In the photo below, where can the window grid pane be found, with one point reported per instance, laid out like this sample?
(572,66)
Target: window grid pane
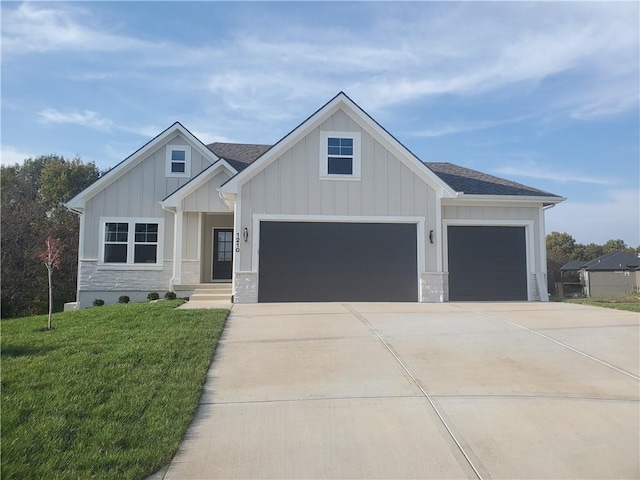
(115,253)
(225,246)
(116,232)
(340,166)
(178,167)
(145,253)
(178,155)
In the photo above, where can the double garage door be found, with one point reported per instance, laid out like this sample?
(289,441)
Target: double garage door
(336,261)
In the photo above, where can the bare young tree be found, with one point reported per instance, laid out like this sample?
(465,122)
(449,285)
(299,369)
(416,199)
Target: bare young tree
(51,258)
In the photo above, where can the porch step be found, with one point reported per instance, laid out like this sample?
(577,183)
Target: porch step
(211,292)
(210,297)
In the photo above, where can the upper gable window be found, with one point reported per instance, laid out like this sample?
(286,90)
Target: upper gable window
(340,155)
(178,161)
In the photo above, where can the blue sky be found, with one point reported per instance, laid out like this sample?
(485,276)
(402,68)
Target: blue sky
(546,94)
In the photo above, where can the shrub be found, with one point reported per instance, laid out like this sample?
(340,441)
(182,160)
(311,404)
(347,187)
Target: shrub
(123,299)
(153,296)
(170,296)
(98,302)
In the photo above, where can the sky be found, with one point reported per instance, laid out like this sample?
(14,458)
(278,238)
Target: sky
(542,93)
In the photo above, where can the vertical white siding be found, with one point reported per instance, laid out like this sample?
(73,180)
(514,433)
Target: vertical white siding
(291,185)
(137,193)
(206,198)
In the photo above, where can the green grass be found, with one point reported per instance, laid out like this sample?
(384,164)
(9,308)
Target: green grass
(630,303)
(108,394)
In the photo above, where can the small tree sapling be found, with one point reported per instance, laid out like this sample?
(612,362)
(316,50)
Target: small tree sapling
(51,259)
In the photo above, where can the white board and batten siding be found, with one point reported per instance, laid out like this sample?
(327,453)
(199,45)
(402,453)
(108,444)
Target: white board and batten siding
(291,185)
(135,194)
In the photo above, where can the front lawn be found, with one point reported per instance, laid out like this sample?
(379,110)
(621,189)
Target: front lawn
(630,302)
(108,394)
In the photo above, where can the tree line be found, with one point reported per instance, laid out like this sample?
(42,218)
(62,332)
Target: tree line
(562,248)
(33,196)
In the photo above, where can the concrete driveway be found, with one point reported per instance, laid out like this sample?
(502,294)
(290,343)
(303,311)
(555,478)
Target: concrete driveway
(455,390)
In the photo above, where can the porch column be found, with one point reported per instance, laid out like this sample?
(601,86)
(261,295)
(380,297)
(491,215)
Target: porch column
(177,247)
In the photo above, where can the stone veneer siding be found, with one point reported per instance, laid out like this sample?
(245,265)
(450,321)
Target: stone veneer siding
(434,287)
(245,288)
(96,282)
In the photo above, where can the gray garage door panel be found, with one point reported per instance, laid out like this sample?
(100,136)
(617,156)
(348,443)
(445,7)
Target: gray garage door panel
(335,261)
(487,263)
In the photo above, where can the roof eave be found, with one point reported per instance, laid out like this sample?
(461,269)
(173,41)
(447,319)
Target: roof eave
(462,197)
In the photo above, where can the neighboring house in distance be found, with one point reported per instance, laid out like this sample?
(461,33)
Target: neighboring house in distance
(337,210)
(614,273)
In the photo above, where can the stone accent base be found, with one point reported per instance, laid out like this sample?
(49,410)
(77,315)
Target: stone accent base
(190,272)
(245,287)
(434,287)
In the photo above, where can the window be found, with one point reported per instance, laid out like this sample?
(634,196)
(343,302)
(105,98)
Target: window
(178,161)
(225,246)
(115,242)
(131,241)
(340,155)
(145,243)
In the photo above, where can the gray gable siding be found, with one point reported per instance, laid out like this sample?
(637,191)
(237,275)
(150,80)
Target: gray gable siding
(291,185)
(137,193)
(206,197)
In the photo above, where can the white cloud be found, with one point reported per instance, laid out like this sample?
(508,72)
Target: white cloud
(87,118)
(464,126)
(617,216)
(35,28)
(11,155)
(547,172)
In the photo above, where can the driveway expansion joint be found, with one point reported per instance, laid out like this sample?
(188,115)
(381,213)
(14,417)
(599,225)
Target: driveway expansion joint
(558,342)
(426,395)
(311,399)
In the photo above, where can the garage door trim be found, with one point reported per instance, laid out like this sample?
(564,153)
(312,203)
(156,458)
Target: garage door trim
(419,221)
(529,239)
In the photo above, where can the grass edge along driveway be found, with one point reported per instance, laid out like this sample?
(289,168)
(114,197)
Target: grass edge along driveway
(108,394)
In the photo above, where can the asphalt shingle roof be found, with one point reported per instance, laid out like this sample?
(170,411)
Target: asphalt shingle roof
(574,265)
(239,155)
(608,261)
(472,182)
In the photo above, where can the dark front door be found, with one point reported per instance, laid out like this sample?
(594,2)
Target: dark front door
(222,253)
(335,262)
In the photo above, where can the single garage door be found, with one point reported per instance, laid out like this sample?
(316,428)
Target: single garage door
(332,262)
(487,263)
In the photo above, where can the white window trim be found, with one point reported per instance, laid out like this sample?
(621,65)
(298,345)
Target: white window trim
(131,243)
(324,156)
(187,158)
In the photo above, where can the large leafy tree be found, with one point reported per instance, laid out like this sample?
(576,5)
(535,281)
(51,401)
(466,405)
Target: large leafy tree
(33,196)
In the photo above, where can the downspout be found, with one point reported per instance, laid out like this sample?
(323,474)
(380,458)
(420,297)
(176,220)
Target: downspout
(80,213)
(174,276)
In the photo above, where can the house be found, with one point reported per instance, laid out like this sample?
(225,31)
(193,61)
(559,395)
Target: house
(614,273)
(337,210)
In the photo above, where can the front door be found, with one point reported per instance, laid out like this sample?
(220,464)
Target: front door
(222,253)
